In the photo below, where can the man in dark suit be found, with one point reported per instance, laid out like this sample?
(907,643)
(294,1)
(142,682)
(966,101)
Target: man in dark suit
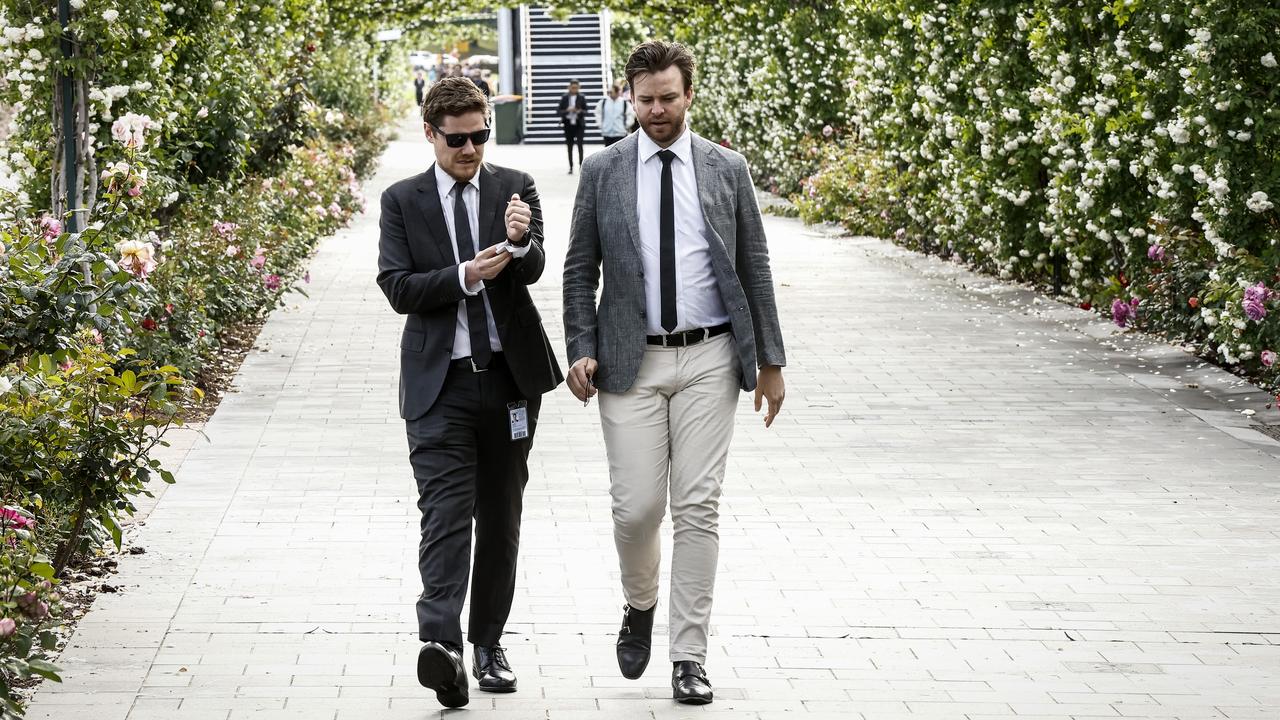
(686,320)
(459,246)
(573,115)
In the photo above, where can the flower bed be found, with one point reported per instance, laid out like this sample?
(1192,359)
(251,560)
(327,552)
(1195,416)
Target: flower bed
(1125,152)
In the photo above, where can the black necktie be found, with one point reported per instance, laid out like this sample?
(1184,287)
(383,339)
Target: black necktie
(667,243)
(477,320)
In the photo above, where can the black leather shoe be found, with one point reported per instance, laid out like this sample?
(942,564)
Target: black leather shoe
(634,641)
(491,670)
(689,684)
(440,668)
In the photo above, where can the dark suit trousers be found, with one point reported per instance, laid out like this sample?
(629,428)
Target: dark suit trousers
(468,468)
(575,134)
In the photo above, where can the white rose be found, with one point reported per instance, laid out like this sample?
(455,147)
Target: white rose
(5,385)
(1269,60)
(1258,202)
(110,15)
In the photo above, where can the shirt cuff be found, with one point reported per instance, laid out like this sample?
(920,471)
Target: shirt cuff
(462,280)
(519,251)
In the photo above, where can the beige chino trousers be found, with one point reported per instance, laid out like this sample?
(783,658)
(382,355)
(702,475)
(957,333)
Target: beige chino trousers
(669,435)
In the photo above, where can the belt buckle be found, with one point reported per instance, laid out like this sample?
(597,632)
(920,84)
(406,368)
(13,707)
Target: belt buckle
(475,369)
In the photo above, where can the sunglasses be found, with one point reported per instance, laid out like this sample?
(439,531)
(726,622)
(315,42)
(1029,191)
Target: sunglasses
(457,140)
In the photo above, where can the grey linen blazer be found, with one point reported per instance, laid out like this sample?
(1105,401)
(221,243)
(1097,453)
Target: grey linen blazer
(606,232)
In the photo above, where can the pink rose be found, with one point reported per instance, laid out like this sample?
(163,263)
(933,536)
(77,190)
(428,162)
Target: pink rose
(16,520)
(7,627)
(33,607)
(51,226)
(1268,357)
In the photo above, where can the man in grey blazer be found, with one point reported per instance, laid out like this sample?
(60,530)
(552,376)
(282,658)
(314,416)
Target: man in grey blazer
(686,317)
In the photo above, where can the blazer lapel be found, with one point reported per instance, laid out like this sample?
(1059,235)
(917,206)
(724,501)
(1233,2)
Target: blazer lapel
(705,165)
(429,205)
(490,200)
(629,152)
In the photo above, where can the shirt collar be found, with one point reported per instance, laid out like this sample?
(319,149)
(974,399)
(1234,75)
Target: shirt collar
(445,182)
(682,147)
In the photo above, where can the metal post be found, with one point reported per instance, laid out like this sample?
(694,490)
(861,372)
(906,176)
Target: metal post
(70,138)
(506,52)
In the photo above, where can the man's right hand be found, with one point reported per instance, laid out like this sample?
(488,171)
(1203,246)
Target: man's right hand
(487,265)
(580,378)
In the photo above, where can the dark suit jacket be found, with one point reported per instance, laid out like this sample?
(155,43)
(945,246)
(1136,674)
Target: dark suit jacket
(417,273)
(563,110)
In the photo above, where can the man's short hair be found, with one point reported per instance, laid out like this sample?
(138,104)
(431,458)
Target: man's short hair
(655,56)
(453,96)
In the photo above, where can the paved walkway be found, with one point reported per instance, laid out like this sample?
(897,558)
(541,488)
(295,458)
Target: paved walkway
(977,504)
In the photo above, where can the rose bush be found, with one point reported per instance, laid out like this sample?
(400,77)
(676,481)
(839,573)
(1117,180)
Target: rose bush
(222,141)
(1120,150)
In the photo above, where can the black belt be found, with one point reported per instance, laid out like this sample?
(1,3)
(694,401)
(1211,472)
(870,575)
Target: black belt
(688,337)
(469,364)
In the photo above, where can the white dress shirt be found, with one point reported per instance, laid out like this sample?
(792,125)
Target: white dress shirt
(471,198)
(572,111)
(698,303)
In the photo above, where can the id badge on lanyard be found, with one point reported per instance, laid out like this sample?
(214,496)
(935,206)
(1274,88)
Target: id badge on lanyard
(518,414)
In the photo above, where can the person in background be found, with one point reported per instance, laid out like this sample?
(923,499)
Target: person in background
(478,79)
(419,87)
(613,116)
(573,115)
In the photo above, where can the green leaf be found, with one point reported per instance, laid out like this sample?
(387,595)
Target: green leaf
(44,669)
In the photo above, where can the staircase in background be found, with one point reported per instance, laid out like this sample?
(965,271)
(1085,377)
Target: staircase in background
(553,53)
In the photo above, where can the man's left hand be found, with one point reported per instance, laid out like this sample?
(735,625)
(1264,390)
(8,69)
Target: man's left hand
(518,218)
(769,386)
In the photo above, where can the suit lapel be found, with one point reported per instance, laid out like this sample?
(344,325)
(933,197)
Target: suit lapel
(705,165)
(629,150)
(490,200)
(429,205)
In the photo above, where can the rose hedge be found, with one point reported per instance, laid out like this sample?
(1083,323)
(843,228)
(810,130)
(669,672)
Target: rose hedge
(1127,151)
(226,140)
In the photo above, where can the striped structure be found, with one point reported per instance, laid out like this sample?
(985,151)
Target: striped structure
(554,52)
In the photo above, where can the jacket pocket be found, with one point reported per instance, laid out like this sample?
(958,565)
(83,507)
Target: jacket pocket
(412,341)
